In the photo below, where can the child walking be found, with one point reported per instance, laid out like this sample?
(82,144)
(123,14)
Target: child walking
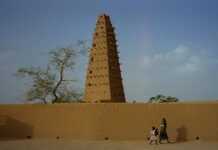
(153,135)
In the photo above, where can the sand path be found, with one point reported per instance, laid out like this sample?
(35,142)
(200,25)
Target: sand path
(45,144)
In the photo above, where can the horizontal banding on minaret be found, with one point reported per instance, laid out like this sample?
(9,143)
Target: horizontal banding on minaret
(103,79)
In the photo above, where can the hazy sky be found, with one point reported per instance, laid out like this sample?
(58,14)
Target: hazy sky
(166,46)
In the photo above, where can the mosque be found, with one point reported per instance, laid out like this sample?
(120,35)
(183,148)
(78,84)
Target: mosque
(106,114)
(103,79)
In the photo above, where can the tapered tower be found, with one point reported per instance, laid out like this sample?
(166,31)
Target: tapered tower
(103,78)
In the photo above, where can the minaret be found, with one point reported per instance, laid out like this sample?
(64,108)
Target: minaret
(103,79)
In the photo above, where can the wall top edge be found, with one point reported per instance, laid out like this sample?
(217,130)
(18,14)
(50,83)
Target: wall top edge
(116,103)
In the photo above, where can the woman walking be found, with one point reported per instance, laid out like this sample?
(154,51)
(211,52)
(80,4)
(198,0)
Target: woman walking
(163,131)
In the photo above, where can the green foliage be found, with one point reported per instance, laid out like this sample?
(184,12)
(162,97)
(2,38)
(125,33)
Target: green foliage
(63,58)
(43,83)
(50,84)
(163,99)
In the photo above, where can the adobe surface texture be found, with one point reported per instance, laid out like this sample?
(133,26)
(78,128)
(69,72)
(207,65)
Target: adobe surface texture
(103,79)
(112,121)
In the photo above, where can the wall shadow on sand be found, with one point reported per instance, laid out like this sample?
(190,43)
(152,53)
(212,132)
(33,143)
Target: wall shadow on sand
(13,129)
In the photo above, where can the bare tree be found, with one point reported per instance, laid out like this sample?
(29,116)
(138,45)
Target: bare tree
(50,84)
(62,59)
(43,83)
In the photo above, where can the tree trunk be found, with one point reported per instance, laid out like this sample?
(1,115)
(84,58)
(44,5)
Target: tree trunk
(58,84)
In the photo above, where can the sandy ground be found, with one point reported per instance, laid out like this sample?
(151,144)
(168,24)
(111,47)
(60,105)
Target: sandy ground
(48,144)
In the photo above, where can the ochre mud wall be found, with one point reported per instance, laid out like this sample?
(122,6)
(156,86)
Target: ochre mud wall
(114,121)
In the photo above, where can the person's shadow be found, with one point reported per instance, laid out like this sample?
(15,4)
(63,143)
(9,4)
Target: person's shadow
(181,134)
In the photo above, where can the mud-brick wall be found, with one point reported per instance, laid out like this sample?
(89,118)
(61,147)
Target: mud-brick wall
(114,121)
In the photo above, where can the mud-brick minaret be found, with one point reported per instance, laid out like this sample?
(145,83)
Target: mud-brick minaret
(103,79)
